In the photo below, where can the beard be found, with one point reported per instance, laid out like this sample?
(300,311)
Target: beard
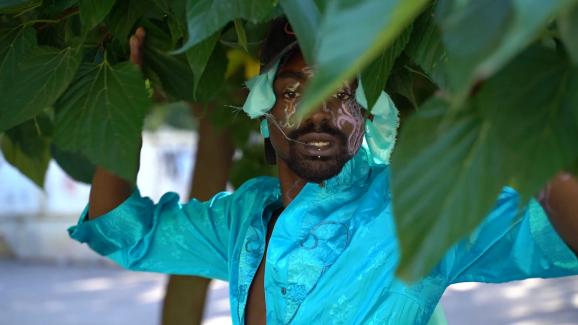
(317,169)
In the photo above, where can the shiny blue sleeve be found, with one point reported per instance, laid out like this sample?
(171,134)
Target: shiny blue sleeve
(510,245)
(166,237)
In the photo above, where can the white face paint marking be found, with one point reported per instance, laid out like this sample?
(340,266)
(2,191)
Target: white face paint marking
(308,71)
(290,105)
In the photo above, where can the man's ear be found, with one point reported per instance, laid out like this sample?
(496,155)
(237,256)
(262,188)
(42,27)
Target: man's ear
(270,156)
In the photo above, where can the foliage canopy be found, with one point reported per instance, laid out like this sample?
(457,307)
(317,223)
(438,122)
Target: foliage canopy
(493,83)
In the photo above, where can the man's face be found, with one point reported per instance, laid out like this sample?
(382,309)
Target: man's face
(316,148)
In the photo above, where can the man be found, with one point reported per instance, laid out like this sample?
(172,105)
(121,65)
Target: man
(319,243)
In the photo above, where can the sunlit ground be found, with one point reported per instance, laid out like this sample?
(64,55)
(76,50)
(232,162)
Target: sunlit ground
(97,294)
(527,302)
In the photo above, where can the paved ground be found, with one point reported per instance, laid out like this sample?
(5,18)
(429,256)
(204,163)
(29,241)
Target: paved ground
(47,294)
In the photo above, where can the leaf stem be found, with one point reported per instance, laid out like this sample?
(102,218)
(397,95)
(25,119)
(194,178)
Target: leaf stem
(43,23)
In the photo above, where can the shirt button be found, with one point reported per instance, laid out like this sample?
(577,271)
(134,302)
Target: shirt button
(283,290)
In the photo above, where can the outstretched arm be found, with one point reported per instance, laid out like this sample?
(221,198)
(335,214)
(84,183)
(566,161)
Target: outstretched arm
(560,200)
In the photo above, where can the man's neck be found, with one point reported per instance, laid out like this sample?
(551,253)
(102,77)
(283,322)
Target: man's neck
(291,183)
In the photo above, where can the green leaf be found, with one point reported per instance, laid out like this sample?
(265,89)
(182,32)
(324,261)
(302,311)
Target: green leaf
(211,81)
(27,147)
(375,75)
(198,57)
(241,35)
(101,116)
(206,17)
(92,12)
(74,164)
(426,48)
(538,122)
(18,6)
(568,24)
(12,3)
(173,71)
(508,27)
(448,168)
(33,76)
(573,168)
(124,15)
(304,17)
(345,45)
(438,189)
(402,82)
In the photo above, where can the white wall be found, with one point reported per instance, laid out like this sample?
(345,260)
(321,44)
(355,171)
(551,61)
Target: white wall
(33,222)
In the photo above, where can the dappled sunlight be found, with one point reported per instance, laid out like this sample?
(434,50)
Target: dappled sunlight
(532,301)
(154,295)
(94,284)
(218,306)
(466,286)
(221,320)
(70,294)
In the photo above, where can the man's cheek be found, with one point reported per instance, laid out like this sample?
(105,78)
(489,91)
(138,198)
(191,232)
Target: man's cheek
(289,119)
(352,115)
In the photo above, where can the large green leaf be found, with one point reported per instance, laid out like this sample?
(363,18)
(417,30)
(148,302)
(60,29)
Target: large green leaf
(445,177)
(92,12)
(482,36)
(537,123)
(568,23)
(12,3)
(27,147)
(426,48)
(74,164)
(101,116)
(449,168)
(17,6)
(241,34)
(34,77)
(345,46)
(172,70)
(573,168)
(198,57)
(212,80)
(206,17)
(124,15)
(375,75)
(304,17)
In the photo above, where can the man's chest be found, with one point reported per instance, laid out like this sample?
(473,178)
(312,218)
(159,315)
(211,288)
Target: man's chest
(335,266)
(255,312)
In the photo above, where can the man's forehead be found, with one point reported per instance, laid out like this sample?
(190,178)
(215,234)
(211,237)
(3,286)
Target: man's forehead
(295,67)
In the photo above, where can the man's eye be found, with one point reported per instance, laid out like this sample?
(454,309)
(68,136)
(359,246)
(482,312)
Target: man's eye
(343,95)
(290,94)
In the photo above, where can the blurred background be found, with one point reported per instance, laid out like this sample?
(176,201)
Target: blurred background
(47,278)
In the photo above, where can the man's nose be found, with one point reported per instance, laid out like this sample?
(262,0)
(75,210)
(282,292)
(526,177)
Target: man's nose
(322,114)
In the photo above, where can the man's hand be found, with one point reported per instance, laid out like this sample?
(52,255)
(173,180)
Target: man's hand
(560,200)
(136,43)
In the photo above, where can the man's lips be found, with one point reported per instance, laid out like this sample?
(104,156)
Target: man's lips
(318,144)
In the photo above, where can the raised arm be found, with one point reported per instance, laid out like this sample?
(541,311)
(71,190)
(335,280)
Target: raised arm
(560,201)
(107,192)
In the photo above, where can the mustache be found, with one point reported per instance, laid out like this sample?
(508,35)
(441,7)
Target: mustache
(318,128)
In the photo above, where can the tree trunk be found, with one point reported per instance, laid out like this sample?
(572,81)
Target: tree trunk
(185,296)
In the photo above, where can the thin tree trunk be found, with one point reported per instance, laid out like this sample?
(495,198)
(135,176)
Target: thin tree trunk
(185,296)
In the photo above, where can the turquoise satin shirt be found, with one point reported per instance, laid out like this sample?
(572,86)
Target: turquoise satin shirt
(333,252)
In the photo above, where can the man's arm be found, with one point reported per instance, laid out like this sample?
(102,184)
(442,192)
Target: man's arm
(560,201)
(107,192)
